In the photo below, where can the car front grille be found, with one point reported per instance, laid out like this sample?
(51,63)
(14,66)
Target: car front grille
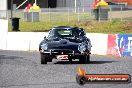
(65,47)
(62,51)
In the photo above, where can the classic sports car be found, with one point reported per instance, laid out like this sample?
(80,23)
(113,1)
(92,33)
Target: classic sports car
(65,43)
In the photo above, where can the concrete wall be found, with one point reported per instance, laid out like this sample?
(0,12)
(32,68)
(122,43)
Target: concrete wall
(31,40)
(3,33)
(24,40)
(102,44)
(99,43)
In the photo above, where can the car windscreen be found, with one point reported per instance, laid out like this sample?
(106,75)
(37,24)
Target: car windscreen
(65,33)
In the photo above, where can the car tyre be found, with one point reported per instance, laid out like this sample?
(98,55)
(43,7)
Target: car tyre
(84,59)
(88,58)
(70,60)
(43,59)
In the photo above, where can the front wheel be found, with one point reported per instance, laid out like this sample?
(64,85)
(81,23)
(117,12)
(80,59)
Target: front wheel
(88,58)
(84,59)
(43,59)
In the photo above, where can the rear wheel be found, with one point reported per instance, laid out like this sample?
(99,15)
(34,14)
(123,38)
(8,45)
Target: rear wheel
(43,59)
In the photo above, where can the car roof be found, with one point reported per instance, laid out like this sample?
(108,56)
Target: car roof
(63,27)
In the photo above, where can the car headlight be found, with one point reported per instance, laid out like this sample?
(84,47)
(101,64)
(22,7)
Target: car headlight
(82,47)
(44,46)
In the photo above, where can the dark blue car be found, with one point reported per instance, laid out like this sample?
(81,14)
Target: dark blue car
(65,43)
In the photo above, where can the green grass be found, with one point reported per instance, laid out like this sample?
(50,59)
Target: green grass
(111,27)
(83,19)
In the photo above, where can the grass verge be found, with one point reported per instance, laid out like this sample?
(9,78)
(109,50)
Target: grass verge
(111,27)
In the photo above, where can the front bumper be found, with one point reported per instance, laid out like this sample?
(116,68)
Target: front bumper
(55,52)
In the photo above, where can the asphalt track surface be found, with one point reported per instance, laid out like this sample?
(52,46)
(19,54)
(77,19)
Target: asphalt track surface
(20,69)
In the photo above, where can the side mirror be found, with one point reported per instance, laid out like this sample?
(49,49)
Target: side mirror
(81,29)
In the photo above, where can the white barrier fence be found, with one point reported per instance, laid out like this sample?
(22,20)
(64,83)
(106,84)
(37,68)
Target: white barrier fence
(3,33)
(24,40)
(99,43)
(29,41)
